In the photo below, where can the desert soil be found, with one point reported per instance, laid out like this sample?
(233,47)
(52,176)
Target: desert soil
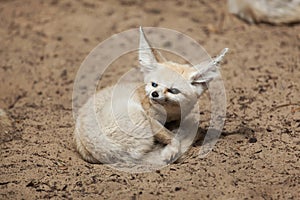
(43,43)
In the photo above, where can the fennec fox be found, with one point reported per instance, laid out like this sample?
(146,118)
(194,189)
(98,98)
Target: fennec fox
(130,128)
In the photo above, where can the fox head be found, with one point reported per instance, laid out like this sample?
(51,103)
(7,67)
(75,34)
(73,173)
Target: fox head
(169,83)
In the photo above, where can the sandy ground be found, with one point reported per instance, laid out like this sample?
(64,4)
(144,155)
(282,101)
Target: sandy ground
(42,44)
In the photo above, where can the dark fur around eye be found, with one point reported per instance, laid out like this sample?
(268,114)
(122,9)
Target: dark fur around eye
(174,90)
(154,84)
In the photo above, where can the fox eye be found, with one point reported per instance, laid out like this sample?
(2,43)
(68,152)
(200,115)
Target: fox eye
(154,84)
(174,90)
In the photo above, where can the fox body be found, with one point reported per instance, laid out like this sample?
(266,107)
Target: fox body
(125,123)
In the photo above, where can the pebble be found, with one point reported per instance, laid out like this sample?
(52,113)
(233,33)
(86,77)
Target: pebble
(252,140)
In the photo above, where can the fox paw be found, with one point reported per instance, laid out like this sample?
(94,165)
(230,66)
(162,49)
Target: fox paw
(171,152)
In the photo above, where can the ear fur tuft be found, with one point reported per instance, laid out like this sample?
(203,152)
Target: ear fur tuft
(147,59)
(207,71)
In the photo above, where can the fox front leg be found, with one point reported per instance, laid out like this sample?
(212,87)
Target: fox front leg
(161,134)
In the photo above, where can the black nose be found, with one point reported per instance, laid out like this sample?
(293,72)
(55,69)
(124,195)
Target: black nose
(154,94)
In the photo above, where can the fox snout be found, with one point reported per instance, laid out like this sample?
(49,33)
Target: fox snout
(157,95)
(154,94)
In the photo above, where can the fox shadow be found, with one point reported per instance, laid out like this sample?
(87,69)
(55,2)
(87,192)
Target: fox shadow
(213,134)
(245,131)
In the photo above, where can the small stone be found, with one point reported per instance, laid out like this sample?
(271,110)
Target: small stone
(64,73)
(252,140)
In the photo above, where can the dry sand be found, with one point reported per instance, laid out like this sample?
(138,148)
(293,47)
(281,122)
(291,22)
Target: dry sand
(42,44)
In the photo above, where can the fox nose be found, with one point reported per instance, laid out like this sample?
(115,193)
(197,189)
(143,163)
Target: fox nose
(154,94)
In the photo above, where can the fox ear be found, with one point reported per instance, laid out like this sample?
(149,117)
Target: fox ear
(147,59)
(207,71)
